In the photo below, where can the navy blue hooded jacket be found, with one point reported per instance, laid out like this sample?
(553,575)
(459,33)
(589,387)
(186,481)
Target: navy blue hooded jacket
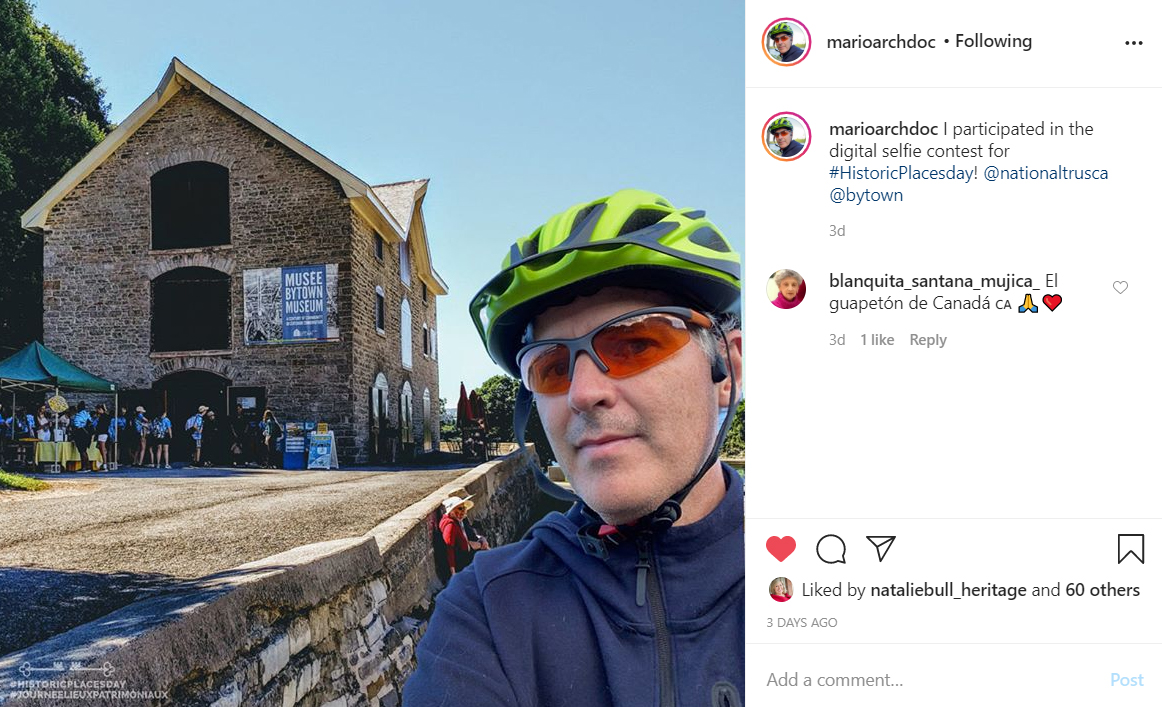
(540,623)
(793,149)
(792,54)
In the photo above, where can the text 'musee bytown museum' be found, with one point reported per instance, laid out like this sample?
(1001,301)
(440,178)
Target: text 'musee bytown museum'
(200,255)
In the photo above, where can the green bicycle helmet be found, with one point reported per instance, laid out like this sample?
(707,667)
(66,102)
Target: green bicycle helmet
(781,28)
(780,124)
(631,238)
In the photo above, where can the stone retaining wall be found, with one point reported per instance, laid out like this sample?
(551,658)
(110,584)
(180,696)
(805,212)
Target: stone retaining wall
(333,624)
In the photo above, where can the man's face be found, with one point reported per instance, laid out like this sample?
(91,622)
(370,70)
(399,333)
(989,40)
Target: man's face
(782,137)
(628,444)
(790,288)
(782,43)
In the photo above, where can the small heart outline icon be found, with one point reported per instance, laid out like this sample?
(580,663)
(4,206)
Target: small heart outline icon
(1121,286)
(1051,301)
(781,548)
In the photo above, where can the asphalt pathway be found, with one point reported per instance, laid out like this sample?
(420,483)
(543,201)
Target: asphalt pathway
(95,542)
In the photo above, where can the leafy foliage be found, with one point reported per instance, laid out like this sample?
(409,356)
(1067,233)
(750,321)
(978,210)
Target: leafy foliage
(53,113)
(449,432)
(499,394)
(20,482)
(735,443)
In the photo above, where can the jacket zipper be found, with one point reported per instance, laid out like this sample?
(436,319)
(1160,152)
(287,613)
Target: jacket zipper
(648,584)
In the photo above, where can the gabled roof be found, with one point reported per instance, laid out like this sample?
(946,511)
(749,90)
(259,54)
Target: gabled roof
(400,199)
(405,201)
(363,199)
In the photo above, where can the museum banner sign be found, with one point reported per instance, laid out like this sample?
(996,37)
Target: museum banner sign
(291,305)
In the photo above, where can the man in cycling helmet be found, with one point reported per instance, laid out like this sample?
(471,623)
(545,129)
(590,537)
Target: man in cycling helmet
(783,133)
(783,35)
(619,316)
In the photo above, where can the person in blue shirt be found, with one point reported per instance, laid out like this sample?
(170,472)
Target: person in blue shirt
(783,35)
(141,427)
(196,432)
(163,431)
(101,428)
(82,435)
(126,435)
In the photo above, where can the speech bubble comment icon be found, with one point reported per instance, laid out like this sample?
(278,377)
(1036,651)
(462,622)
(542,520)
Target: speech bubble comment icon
(831,549)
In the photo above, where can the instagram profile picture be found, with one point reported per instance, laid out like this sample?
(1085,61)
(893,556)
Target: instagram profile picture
(786,289)
(781,589)
(786,41)
(786,136)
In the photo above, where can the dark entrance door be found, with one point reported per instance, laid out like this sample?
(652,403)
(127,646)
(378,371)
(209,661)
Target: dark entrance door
(183,392)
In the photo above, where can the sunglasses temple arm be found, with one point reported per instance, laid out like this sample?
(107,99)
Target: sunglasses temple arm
(520,422)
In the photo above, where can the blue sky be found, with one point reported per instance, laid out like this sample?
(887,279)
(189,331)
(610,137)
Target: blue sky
(514,110)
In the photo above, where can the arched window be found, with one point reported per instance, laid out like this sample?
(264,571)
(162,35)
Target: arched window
(190,206)
(377,419)
(405,263)
(427,419)
(427,342)
(405,333)
(405,413)
(190,310)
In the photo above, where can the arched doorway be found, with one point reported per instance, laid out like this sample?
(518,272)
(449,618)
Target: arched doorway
(406,435)
(182,393)
(380,441)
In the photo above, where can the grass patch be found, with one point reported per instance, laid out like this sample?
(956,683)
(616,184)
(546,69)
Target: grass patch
(21,483)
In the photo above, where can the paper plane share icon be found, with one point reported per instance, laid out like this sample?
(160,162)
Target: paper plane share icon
(882,544)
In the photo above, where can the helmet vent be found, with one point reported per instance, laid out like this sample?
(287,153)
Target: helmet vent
(579,220)
(640,219)
(532,246)
(709,238)
(697,214)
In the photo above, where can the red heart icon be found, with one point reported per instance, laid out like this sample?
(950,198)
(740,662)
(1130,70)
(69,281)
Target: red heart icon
(781,548)
(1051,301)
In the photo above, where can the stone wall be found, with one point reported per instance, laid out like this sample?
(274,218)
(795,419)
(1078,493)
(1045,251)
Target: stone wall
(98,266)
(335,623)
(376,352)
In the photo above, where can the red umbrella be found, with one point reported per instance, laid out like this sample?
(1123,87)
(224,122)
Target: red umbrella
(463,408)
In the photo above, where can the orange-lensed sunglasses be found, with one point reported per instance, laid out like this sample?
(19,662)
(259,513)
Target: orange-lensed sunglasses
(621,347)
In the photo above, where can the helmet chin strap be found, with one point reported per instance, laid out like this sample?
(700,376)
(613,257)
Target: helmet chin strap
(665,515)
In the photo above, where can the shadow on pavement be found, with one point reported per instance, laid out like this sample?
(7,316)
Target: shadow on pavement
(40,603)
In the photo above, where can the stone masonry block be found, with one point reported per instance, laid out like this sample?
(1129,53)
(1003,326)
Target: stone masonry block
(275,657)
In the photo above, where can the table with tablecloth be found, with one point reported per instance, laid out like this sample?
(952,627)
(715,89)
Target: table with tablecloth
(63,453)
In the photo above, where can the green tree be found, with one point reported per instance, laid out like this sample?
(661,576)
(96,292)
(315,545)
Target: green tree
(53,112)
(499,395)
(448,430)
(735,443)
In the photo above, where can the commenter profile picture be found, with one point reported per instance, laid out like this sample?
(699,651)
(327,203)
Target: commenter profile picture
(786,136)
(786,289)
(786,41)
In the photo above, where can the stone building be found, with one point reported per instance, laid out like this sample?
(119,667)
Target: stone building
(202,255)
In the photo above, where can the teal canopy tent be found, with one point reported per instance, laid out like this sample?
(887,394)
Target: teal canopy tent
(35,368)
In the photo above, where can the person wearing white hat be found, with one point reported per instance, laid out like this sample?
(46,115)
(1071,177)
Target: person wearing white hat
(460,538)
